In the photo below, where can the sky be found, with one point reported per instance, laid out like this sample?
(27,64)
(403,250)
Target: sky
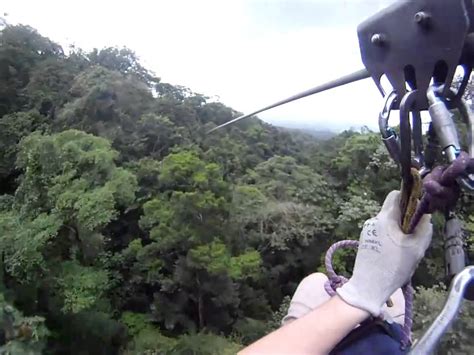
(244,53)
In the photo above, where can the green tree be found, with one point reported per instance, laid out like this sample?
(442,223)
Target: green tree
(428,304)
(355,155)
(21,49)
(124,61)
(21,334)
(197,269)
(51,230)
(13,127)
(108,104)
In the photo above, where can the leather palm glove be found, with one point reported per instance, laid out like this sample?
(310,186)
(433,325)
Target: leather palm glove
(386,258)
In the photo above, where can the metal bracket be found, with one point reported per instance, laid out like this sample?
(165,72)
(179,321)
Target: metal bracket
(392,40)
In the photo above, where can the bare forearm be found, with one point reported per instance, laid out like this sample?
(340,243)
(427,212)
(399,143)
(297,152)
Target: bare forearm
(316,333)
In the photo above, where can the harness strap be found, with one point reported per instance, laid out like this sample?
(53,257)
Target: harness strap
(371,329)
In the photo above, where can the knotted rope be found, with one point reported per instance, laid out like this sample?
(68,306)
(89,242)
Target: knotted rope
(441,189)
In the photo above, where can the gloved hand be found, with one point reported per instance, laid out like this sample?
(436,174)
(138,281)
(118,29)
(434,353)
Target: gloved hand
(386,258)
(311,293)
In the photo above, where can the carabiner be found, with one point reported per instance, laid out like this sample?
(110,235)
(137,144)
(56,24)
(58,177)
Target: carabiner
(454,254)
(411,180)
(443,125)
(406,106)
(389,136)
(419,159)
(446,129)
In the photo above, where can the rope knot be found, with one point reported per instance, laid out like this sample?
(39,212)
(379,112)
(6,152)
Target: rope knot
(337,282)
(441,189)
(334,283)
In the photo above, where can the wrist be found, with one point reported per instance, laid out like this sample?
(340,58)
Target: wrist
(356,313)
(363,298)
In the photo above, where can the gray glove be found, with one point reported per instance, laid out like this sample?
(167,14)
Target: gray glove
(386,259)
(311,293)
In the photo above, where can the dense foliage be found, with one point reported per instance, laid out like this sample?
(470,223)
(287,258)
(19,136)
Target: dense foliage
(125,227)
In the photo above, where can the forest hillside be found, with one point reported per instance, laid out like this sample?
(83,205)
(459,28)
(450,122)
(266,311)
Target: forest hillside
(126,228)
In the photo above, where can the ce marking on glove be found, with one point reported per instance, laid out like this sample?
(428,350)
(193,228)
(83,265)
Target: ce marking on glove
(370,227)
(372,232)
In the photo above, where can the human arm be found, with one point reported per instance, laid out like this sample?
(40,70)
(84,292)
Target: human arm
(311,293)
(316,333)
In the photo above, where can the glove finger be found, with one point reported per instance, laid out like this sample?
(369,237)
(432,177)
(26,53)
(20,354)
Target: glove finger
(311,291)
(424,233)
(420,239)
(391,199)
(391,205)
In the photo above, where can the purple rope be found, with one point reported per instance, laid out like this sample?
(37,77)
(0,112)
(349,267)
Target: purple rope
(408,320)
(440,188)
(335,281)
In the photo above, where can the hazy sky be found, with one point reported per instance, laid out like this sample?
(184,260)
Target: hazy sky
(249,53)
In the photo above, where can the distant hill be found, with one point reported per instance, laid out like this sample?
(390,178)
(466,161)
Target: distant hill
(320,134)
(331,127)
